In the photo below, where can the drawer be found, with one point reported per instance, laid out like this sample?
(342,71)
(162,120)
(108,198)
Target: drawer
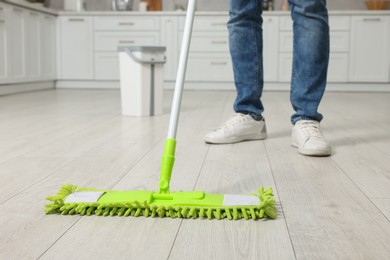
(338,67)
(339,23)
(216,67)
(106,66)
(336,23)
(286,42)
(110,41)
(127,23)
(339,41)
(337,70)
(285,67)
(285,23)
(208,24)
(209,42)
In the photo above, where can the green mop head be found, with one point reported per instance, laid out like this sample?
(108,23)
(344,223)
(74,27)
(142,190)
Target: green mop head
(193,204)
(77,200)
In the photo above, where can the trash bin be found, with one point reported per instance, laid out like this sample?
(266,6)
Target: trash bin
(141,79)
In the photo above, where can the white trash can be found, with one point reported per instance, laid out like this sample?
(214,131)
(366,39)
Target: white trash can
(141,79)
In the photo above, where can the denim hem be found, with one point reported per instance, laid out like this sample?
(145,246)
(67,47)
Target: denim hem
(304,118)
(254,116)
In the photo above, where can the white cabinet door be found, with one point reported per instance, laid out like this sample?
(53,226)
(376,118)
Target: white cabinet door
(3,47)
(76,48)
(209,59)
(209,67)
(17,45)
(48,50)
(270,48)
(370,41)
(106,66)
(169,29)
(32,45)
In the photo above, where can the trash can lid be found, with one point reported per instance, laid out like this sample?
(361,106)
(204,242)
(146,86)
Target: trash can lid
(142,48)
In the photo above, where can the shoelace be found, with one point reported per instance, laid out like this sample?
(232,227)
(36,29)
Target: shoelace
(233,121)
(310,129)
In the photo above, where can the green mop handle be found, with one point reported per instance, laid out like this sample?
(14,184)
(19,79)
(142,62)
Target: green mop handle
(168,158)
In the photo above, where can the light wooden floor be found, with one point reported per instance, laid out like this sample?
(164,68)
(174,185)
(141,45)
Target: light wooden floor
(330,208)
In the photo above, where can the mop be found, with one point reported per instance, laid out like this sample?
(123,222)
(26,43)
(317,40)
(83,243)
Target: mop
(72,199)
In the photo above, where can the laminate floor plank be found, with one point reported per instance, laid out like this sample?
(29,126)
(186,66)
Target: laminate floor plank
(328,216)
(102,167)
(37,129)
(366,115)
(329,208)
(21,172)
(361,142)
(364,146)
(149,238)
(234,169)
(49,107)
(383,205)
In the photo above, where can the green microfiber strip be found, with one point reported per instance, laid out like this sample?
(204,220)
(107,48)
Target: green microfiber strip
(149,204)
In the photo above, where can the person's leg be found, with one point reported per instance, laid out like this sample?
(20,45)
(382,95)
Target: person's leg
(246,50)
(309,74)
(310,57)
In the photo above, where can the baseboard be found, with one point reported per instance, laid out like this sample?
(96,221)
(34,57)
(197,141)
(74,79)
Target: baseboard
(351,87)
(268,86)
(87,84)
(8,89)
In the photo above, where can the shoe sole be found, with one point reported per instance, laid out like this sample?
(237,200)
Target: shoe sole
(237,139)
(312,152)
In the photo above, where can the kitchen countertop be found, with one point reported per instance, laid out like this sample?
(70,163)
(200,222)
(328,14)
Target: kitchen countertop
(41,8)
(214,13)
(36,6)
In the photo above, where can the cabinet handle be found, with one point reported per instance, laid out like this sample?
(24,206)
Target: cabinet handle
(218,42)
(76,20)
(126,24)
(372,19)
(218,63)
(126,42)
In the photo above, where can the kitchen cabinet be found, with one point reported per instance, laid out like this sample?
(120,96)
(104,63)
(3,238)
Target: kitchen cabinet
(339,49)
(270,47)
(3,45)
(169,38)
(17,45)
(48,47)
(370,52)
(27,47)
(76,48)
(209,58)
(32,46)
(88,48)
(112,32)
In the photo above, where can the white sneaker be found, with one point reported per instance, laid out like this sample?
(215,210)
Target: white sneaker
(238,128)
(307,137)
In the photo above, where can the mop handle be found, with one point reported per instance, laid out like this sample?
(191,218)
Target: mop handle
(181,71)
(168,157)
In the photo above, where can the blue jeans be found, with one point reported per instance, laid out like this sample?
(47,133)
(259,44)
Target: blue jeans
(310,56)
